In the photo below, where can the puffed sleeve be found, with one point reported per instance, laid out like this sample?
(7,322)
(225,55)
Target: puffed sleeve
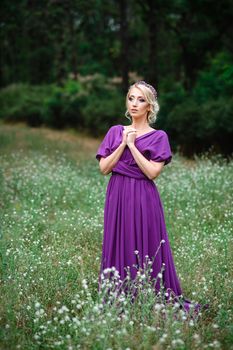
(160,149)
(105,148)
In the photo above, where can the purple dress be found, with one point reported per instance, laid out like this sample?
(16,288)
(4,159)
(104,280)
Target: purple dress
(133,213)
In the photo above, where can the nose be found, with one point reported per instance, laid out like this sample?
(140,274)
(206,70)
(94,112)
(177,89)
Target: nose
(135,102)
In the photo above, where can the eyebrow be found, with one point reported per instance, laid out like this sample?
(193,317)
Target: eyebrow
(134,96)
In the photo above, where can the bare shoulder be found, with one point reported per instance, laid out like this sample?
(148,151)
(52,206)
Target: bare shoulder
(130,126)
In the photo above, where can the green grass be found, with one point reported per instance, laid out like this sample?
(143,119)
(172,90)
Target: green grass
(52,202)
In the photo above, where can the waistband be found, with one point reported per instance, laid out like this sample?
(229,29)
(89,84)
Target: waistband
(129,170)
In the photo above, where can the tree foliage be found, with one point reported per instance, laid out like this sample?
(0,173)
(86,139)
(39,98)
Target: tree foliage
(182,47)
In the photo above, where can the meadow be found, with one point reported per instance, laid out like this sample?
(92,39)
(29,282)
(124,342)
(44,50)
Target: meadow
(52,206)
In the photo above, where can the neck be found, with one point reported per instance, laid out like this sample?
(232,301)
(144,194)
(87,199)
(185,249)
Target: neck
(140,125)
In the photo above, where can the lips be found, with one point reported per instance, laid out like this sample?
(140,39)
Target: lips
(134,110)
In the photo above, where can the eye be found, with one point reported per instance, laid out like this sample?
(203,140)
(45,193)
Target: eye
(140,99)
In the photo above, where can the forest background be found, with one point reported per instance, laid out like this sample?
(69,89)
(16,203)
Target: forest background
(70,63)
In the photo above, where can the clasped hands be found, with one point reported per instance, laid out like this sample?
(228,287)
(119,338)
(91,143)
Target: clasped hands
(129,136)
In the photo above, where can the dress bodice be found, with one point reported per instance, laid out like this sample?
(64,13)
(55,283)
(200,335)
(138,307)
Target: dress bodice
(153,145)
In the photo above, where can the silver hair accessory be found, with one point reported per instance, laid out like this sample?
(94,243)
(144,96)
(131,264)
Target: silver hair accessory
(152,89)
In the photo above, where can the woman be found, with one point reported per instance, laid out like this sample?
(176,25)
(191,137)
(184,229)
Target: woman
(134,224)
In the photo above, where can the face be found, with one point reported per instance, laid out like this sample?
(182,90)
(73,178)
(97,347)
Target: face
(137,105)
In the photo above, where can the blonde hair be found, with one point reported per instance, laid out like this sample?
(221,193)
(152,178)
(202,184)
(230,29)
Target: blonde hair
(150,98)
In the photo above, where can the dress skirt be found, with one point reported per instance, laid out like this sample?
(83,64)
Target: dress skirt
(134,221)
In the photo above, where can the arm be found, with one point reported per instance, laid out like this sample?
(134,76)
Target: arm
(106,164)
(150,168)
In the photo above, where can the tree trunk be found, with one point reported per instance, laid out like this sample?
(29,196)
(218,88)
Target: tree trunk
(72,41)
(152,76)
(150,17)
(124,45)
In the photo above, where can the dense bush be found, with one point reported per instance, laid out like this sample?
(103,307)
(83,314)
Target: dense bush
(201,119)
(194,121)
(22,102)
(103,110)
(92,104)
(216,80)
(196,127)
(63,106)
